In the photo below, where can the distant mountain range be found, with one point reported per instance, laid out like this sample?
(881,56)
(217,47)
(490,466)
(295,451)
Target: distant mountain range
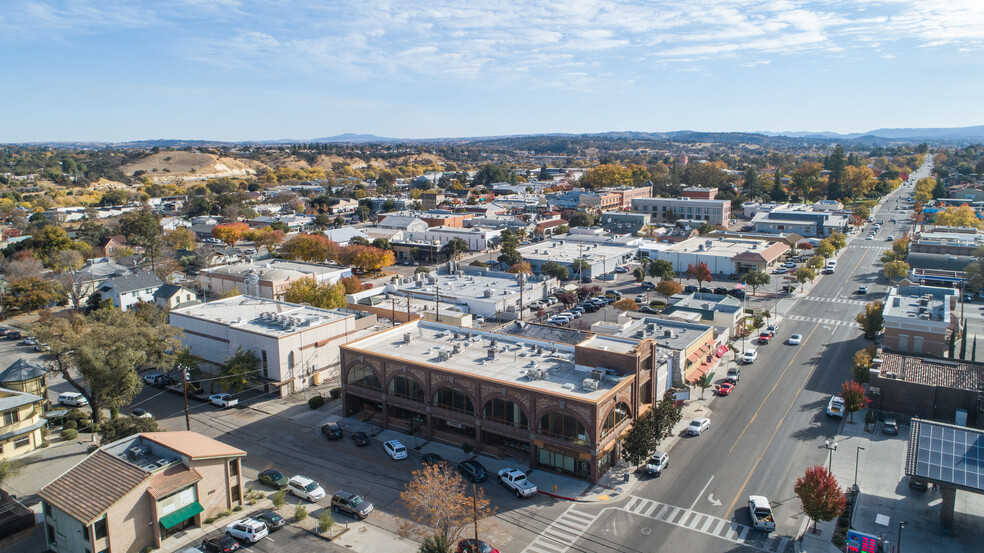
(952,135)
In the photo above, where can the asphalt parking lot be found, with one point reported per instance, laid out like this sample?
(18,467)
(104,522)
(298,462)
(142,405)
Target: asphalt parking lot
(288,539)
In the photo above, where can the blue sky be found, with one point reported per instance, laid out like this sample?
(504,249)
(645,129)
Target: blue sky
(111,70)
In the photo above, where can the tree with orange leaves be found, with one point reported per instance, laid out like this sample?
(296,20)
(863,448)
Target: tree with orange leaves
(230,233)
(437,497)
(820,495)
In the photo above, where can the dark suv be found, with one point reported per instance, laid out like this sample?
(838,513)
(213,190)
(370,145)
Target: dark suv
(220,544)
(473,470)
(332,431)
(348,502)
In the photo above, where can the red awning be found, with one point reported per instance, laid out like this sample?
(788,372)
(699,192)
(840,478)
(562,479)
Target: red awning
(722,349)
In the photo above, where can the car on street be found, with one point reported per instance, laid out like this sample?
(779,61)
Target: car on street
(331,430)
(473,470)
(621,270)
(247,530)
(725,389)
(794,339)
(471,546)
(690,289)
(305,488)
(272,520)
(647,285)
(764,338)
(395,449)
(835,407)
(640,299)
(479,319)
(870,237)
(772,329)
(72,399)
(861,290)
(789,265)
(749,356)
(351,504)
(698,426)
(141,413)
(780,271)
(517,481)
(432,459)
(891,238)
(734,375)
(224,401)
(360,438)
(657,462)
(891,427)
(273,478)
(220,544)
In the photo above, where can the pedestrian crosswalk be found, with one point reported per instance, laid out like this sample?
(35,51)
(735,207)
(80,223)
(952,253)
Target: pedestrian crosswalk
(562,533)
(834,300)
(706,524)
(818,320)
(881,248)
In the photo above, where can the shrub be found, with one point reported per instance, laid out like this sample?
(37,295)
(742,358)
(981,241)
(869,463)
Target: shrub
(237,508)
(226,513)
(69,434)
(316,402)
(209,520)
(467,448)
(147,549)
(86,425)
(75,414)
(300,513)
(279,498)
(335,392)
(325,522)
(71,425)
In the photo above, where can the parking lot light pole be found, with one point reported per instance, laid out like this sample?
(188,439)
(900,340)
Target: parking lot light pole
(857,456)
(831,448)
(902,524)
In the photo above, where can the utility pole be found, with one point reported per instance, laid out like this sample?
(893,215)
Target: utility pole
(475,514)
(393,310)
(184,388)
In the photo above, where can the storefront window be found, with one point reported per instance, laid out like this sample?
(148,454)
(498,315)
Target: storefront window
(615,417)
(505,412)
(565,427)
(406,387)
(453,399)
(563,463)
(361,375)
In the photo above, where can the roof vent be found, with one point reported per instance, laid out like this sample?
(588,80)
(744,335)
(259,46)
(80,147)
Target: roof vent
(590,384)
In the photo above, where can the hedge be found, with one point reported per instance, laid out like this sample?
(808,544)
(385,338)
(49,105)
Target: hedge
(316,402)
(335,393)
(69,434)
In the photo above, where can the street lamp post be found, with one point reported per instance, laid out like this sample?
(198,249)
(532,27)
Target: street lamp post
(902,524)
(831,448)
(857,457)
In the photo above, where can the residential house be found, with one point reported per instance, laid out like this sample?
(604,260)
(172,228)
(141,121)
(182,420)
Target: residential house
(110,246)
(406,223)
(273,276)
(173,296)
(20,422)
(135,493)
(26,376)
(127,290)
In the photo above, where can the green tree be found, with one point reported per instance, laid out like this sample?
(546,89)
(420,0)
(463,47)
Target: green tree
(454,249)
(825,249)
(640,440)
(580,266)
(895,269)
(705,228)
(872,319)
(639,274)
(121,427)
(661,268)
(863,363)
(752,186)
(804,275)
(703,382)
(239,371)
(508,254)
(48,241)
(836,164)
(838,241)
(581,219)
(554,269)
(665,414)
(756,278)
(815,262)
(820,495)
(142,228)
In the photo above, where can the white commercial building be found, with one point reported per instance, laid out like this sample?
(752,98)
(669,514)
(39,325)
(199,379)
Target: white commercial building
(601,255)
(722,255)
(476,238)
(273,276)
(296,345)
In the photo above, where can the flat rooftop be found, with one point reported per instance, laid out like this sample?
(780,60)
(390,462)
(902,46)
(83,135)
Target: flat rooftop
(262,316)
(491,286)
(723,247)
(914,302)
(570,250)
(466,351)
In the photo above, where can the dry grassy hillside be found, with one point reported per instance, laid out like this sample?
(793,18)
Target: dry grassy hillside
(328,162)
(188,166)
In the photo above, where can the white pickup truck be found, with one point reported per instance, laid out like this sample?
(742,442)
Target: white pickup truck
(517,481)
(761,511)
(836,407)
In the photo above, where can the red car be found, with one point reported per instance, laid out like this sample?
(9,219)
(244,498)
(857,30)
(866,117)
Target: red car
(725,389)
(765,338)
(468,546)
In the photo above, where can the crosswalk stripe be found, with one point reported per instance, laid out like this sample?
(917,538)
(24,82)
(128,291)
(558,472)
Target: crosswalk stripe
(562,532)
(707,523)
(782,544)
(818,320)
(650,510)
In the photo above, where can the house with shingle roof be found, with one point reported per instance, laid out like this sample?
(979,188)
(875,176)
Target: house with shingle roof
(20,422)
(126,290)
(137,492)
(25,375)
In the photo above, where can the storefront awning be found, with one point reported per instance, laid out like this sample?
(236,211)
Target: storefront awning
(181,515)
(721,351)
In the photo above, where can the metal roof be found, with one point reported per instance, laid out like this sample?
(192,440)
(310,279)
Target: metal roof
(946,454)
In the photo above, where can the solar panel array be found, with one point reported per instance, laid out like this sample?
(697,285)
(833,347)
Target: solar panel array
(950,454)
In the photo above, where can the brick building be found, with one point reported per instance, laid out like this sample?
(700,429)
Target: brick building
(928,387)
(559,398)
(920,319)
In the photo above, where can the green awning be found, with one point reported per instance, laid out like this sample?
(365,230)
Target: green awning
(181,515)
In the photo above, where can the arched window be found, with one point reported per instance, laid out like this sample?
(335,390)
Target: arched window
(453,399)
(505,412)
(564,426)
(404,386)
(615,417)
(362,375)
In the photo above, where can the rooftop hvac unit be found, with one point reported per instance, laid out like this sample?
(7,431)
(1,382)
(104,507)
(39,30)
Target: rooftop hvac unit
(590,384)
(534,374)
(137,452)
(489,292)
(444,355)
(408,337)
(456,349)
(162,462)
(597,374)
(493,354)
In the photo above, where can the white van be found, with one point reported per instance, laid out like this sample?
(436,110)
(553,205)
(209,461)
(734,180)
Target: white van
(72,399)
(305,488)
